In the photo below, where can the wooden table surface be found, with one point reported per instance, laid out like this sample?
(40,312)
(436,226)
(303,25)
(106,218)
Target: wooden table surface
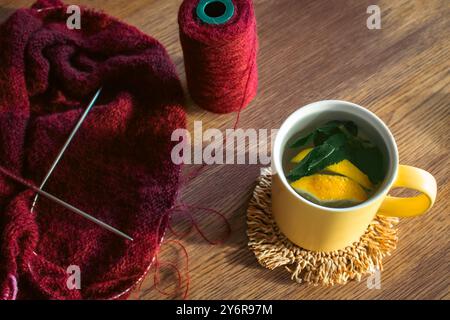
(309,51)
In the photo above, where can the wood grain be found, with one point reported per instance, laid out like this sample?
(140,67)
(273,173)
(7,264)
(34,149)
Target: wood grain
(314,50)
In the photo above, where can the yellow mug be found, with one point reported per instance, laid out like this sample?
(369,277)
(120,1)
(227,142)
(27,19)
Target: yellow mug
(320,228)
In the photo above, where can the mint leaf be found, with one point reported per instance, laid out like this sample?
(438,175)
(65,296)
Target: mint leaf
(330,152)
(338,140)
(369,160)
(344,126)
(304,141)
(351,127)
(334,142)
(321,134)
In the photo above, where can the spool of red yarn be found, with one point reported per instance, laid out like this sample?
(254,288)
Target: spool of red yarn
(220,46)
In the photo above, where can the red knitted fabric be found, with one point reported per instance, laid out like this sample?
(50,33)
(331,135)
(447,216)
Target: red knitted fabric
(117,168)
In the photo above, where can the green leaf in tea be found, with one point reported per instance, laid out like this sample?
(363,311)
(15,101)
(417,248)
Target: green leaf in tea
(335,141)
(330,152)
(345,126)
(369,160)
(338,140)
(350,127)
(321,134)
(304,141)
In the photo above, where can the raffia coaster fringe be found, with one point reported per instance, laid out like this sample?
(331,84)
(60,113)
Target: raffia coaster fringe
(272,249)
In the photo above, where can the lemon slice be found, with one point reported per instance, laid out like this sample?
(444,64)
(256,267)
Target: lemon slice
(344,168)
(301,155)
(330,190)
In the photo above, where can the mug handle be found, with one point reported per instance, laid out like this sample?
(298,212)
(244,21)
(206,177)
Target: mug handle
(416,179)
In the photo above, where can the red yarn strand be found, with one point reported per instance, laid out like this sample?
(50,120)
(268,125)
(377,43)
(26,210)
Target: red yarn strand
(188,209)
(156,277)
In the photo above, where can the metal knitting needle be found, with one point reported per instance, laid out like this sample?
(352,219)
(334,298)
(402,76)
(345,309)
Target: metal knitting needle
(39,190)
(64,204)
(82,213)
(63,149)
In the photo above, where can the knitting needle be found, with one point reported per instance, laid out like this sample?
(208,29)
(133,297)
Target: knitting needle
(63,149)
(65,204)
(55,163)
(82,213)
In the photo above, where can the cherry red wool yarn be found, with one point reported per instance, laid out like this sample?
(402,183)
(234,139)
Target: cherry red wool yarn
(220,60)
(118,167)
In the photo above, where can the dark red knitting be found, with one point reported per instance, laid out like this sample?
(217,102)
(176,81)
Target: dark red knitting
(118,167)
(220,60)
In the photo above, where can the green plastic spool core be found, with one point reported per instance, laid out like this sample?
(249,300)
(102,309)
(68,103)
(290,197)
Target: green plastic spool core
(215,11)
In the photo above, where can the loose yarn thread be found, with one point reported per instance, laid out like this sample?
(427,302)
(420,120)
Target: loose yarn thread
(220,60)
(157,263)
(187,210)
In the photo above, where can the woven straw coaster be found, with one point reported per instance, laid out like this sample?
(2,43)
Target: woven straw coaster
(272,249)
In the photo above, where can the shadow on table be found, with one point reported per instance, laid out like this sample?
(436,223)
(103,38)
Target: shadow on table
(229,190)
(217,198)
